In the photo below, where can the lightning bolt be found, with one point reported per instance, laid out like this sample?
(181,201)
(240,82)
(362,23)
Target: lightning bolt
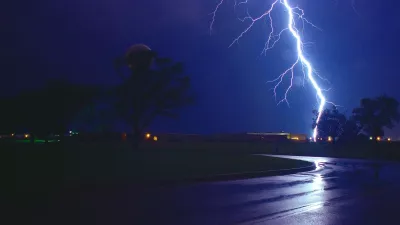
(293,13)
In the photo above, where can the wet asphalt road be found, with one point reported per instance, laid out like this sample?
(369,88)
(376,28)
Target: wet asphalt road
(340,191)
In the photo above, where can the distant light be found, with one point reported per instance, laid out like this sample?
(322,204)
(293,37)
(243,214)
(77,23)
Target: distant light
(155,138)
(70,132)
(295,138)
(378,138)
(389,139)
(370,138)
(12,135)
(26,135)
(148,135)
(329,138)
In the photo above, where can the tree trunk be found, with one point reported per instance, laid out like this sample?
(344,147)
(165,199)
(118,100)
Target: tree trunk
(136,139)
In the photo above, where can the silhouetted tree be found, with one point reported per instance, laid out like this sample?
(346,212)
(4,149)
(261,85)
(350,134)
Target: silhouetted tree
(98,116)
(351,130)
(50,109)
(150,91)
(8,106)
(331,123)
(375,114)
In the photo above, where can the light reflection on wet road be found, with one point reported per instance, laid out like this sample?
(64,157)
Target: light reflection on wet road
(339,191)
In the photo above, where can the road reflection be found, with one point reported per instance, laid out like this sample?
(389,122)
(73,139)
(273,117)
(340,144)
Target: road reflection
(318,182)
(319,164)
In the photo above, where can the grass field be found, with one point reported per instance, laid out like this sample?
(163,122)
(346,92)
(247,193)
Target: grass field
(368,150)
(41,167)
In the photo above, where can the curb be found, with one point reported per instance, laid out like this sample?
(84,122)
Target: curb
(235,176)
(270,172)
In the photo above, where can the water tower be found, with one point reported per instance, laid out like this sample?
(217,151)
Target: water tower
(139,57)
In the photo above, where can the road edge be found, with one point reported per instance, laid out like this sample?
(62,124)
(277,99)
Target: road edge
(254,174)
(240,176)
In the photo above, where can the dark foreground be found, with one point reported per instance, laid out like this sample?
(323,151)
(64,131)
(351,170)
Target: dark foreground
(54,181)
(346,193)
(100,163)
(95,187)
